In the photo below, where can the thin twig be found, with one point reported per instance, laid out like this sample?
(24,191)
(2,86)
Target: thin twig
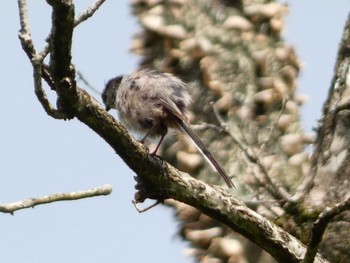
(81,77)
(84,15)
(88,12)
(320,226)
(256,195)
(31,202)
(221,121)
(25,35)
(23,16)
(39,68)
(279,193)
(273,127)
(141,210)
(37,63)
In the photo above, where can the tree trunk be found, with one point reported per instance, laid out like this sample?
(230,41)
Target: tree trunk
(331,159)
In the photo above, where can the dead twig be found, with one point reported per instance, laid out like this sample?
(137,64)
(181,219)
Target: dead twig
(279,193)
(32,202)
(88,12)
(141,210)
(81,77)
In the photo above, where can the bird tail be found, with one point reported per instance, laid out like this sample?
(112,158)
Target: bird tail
(205,152)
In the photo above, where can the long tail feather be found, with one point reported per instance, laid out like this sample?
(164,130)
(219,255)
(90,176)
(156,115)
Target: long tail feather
(205,152)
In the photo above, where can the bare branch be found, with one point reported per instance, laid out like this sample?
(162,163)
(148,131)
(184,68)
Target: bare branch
(37,63)
(277,192)
(221,205)
(24,35)
(30,203)
(273,127)
(160,181)
(23,16)
(61,43)
(40,69)
(320,226)
(84,15)
(39,91)
(142,210)
(88,12)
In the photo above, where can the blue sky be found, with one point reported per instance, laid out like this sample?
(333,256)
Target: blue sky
(41,156)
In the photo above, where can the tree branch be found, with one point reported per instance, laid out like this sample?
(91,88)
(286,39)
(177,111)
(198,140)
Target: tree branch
(320,227)
(159,180)
(25,36)
(61,43)
(30,203)
(278,192)
(81,77)
(88,12)
(39,70)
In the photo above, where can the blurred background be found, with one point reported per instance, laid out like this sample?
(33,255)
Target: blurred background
(41,156)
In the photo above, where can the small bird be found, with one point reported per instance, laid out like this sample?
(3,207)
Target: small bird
(151,102)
